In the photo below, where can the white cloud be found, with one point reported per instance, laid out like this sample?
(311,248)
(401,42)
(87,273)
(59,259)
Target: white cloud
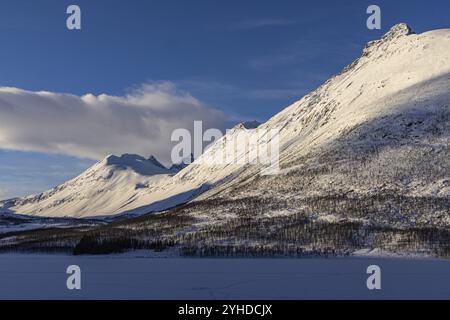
(94,126)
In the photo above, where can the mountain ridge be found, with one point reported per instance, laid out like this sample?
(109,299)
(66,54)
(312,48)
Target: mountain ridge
(398,87)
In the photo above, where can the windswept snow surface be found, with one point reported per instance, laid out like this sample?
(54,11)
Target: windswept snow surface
(382,125)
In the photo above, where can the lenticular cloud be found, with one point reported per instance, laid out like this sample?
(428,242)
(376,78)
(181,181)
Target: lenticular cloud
(93,126)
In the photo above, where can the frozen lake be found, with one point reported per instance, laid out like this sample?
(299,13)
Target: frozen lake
(125,277)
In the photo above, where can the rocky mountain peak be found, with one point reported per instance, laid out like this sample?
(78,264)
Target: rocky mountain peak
(395,33)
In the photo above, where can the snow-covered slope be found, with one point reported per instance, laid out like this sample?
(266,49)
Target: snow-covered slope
(381,126)
(379,129)
(103,189)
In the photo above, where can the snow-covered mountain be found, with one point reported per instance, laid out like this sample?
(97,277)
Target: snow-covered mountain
(372,143)
(381,128)
(101,190)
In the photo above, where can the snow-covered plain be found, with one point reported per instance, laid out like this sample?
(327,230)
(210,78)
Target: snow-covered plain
(142,277)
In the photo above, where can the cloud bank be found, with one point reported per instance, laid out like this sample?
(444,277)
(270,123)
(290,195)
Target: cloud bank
(92,126)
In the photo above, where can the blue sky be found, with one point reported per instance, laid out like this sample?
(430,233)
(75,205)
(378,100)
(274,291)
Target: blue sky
(248,59)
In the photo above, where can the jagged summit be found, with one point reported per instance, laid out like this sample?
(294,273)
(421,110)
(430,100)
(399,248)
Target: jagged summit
(247,125)
(397,32)
(137,163)
(123,159)
(153,160)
